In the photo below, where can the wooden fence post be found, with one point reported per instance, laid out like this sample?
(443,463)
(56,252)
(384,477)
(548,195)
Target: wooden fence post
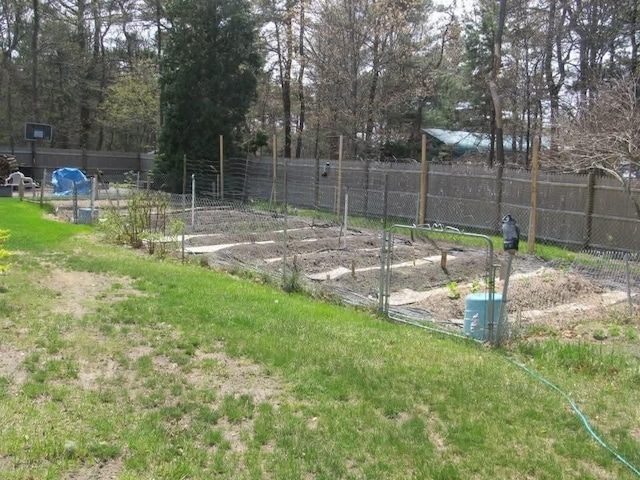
(316,187)
(588,231)
(533,212)
(423,183)
(367,179)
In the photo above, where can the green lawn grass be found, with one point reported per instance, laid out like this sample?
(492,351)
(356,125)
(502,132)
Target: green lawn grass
(175,371)
(29,231)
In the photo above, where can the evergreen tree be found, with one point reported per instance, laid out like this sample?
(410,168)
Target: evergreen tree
(210,64)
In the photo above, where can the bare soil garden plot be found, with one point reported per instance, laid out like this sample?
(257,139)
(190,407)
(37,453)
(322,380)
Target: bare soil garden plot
(540,292)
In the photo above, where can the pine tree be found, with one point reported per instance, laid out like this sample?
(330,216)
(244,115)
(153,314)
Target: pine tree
(211,61)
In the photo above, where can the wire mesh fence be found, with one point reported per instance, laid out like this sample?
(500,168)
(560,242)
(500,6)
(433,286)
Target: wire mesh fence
(324,224)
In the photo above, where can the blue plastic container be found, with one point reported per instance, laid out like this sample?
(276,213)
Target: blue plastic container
(476,312)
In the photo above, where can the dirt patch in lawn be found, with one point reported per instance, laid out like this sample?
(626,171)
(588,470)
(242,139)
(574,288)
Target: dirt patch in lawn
(78,293)
(231,376)
(108,470)
(10,367)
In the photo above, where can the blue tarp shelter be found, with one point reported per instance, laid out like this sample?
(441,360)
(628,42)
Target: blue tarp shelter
(63,180)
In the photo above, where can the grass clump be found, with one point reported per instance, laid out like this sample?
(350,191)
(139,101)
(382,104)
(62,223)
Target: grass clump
(579,357)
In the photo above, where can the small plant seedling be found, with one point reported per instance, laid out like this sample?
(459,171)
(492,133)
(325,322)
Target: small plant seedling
(453,294)
(475,286)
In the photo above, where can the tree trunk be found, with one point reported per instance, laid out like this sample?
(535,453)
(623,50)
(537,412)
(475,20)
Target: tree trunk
(633,32)
(375,52)
(303,64)
(84,92)
(355,61)
(499,139)
(158,21)
(493,88)
(284,70)
(286,85)
(8,68)
(492,149)
(35,102)
(548,59)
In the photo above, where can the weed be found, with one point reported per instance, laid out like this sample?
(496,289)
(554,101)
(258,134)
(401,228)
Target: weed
(577,357)
(214,437)
(161,245)
(104,451)
(453,294)
(541,331)
(237,409)
(491,285)
(631,334)
(4,305)
(475,286)
(291,282)
(599,334)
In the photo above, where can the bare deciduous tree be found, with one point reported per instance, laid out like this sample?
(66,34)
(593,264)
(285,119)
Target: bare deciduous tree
(605,136)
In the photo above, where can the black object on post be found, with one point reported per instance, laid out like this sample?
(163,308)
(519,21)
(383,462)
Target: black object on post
(325,170)
(510,233)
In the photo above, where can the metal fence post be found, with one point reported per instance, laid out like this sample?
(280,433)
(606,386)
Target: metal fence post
(339,187)
(184,200)
(316,186)
(285,235)
(343,227)
(383,247)
(274,168)
(222,167)
(42,185)
(286,183)
(74,204)
(533,213)
(193,199)
(94,184)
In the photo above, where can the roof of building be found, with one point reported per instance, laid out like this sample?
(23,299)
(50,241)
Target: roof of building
(461,139)
(461,142)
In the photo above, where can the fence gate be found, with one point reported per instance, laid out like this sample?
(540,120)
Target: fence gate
(422,263)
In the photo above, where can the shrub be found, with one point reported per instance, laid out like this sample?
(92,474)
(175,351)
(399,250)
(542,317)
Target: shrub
(143,222)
